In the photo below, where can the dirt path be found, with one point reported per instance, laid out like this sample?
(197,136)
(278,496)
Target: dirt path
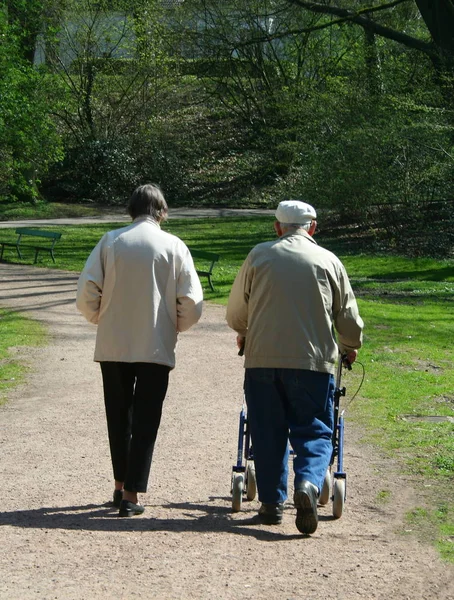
(60,540)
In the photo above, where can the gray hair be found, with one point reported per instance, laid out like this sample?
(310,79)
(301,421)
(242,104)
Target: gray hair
(148,200)
(305,226)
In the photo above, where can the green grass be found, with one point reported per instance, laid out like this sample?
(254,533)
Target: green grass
(409,379)
(17,211)
(16,331)
(435,525)
(410,373)
(407,305)
(384,496)
(232,238)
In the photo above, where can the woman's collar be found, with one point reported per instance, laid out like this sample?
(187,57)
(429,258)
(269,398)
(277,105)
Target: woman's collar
(146,218)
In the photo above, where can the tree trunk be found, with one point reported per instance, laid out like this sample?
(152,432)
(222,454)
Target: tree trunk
(438,15)
(372,61)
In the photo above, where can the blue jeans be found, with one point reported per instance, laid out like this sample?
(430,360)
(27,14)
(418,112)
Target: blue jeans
(285,405)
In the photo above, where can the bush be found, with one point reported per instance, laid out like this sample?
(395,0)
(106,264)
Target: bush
(101,170)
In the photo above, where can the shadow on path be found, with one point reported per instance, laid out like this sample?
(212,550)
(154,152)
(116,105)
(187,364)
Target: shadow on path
(197,518)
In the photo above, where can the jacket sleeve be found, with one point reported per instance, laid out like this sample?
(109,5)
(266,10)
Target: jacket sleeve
(347,321)
(237,306)
(189,294)
(90,285)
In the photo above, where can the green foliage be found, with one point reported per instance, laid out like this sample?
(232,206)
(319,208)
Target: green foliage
(28,141)
(110,77)
(361,151)
(102,170)
(343,119)
(234,103)
(25,19)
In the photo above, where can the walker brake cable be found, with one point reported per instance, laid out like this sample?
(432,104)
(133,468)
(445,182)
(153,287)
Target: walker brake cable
(357,362)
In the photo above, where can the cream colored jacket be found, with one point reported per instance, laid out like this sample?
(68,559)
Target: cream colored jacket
(140,287)
(285,300)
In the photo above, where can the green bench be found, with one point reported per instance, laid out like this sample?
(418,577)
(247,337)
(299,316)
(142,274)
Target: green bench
(208,260)
(50,237)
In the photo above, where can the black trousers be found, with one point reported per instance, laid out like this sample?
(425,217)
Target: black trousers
(133,397)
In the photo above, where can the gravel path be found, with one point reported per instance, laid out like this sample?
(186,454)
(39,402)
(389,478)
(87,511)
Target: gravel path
(60,540)
(121,216)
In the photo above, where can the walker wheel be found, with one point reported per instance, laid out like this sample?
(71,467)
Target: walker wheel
(338,497)
(237,491)
(325,494)
(251,482)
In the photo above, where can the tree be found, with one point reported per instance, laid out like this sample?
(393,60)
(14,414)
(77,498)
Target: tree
(28,140)
(111,78)
(337,111)
(24,18)
(438,17)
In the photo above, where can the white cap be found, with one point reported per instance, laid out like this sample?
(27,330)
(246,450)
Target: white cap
(295,211)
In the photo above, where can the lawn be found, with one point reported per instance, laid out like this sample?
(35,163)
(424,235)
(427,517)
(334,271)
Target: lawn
(406,402)
(16,331)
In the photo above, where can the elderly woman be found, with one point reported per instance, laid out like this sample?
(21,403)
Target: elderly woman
(140,287)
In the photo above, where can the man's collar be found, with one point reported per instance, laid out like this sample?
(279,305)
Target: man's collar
(301,232)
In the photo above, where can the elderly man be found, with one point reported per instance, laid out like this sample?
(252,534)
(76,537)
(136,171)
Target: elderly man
(140,287)
(283,304)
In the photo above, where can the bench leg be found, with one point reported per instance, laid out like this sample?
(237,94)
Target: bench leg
(37,252)
(211,283)
(17,250)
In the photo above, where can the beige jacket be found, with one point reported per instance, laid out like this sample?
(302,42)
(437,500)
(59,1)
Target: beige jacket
(285,300)
(140,287)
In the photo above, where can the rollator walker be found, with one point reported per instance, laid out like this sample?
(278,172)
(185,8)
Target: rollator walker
(244,483)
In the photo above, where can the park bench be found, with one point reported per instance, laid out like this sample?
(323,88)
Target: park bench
(50,237)
(207,260)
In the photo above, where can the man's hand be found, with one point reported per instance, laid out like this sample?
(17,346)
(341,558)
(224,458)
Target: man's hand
(351,356)
(240,341)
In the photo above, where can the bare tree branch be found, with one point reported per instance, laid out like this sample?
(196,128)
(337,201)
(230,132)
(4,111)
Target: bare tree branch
(360,17)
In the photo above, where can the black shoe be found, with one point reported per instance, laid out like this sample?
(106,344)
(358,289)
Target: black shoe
(305,499)
(117,498)
(271,514)
(129,509)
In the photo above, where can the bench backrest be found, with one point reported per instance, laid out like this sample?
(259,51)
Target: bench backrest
(210,256)
(38,233)
(207,256)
